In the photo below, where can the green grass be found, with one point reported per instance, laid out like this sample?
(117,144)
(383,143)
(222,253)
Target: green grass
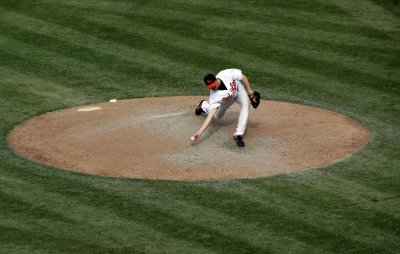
(335,54)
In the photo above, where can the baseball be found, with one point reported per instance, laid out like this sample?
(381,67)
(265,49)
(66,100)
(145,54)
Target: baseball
(192,138)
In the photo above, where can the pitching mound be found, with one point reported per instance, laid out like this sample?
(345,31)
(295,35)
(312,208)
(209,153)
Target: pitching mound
(149,138)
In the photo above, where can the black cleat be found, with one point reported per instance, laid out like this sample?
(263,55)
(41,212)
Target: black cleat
(199,110)
(238,140)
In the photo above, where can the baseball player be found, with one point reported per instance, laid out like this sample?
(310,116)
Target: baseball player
(227,87)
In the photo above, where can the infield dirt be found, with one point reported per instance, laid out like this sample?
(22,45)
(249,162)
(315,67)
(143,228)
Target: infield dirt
(149,138)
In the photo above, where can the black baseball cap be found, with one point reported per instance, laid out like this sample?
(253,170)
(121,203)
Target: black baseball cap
(210,80)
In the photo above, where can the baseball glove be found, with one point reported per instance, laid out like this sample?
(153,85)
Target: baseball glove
(255,99)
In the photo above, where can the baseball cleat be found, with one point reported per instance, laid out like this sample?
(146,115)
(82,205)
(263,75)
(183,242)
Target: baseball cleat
(238,140)
(199,110)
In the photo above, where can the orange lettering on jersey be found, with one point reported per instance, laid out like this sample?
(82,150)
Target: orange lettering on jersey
(233,86)
(227,97)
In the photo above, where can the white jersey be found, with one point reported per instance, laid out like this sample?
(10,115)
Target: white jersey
(231,79)
(223,99)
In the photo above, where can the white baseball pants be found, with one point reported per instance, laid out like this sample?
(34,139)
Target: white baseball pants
(243,100)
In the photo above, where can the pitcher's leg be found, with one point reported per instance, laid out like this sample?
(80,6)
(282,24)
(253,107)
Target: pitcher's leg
(223,108)
(204,106)
(243,101)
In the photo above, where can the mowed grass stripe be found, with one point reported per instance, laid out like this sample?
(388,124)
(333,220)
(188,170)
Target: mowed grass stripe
(30,67)
(341,211)
(78,38)
(162,19)
(338,216)
(279,47)
(357,70)
(31,83)
(264,8)
(350,73)
(242,230)
(285,20)
(155,62)
(102,208)
(277,220)
(155,33)
(136,208)
(326,83)
(108,74)
(317,13)
(267,213)
(169,201)
(138,38)
(209,218)
(45,64)
(77,228)
(19,239)
(276,49)
(47,56)
(279,68)
(371,14)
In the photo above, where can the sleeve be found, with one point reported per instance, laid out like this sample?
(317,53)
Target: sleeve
(214,101)
(236,74)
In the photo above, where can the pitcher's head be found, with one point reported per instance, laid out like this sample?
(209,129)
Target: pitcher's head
(210,80)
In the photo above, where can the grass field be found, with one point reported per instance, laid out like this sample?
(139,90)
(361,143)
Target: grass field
(342,55)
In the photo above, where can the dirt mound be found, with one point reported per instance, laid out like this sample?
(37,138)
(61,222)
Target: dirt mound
(150,138)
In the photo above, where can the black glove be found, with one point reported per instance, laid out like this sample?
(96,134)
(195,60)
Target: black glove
(255,99)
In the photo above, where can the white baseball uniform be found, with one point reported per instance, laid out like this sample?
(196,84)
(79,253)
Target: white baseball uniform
(223,99)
